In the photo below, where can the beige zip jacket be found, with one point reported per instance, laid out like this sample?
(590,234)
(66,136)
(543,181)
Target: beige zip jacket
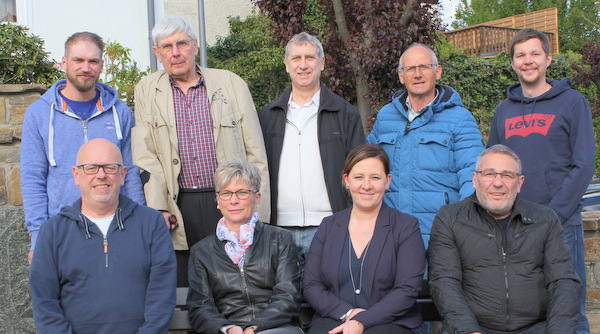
(237,135)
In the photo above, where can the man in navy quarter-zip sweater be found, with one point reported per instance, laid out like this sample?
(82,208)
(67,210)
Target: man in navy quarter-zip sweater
(105,264)
(549,125)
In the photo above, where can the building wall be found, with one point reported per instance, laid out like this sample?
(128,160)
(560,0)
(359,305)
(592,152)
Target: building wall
(123,21)
(216,14)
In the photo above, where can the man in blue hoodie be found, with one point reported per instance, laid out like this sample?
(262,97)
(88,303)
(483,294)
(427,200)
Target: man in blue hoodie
(105,264)
(549,125)
(69,114)
(432,141)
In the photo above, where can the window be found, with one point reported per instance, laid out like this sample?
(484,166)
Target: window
(8,11)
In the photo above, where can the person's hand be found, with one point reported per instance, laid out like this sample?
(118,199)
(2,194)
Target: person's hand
(355,312)
(167,215)
(30,256)
(349,327)
(249,330)
(235,330)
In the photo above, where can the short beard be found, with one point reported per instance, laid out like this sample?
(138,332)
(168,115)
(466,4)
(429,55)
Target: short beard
(82,87)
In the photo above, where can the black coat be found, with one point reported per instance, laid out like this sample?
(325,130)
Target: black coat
(266,293)
(339,130)
(480,278)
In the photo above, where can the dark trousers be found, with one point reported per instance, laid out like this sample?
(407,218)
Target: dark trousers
(324,325)
(200,215)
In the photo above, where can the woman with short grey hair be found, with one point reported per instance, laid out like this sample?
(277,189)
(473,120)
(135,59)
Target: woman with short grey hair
(245,278)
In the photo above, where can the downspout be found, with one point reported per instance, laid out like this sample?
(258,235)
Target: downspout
(151,23)
(202,37)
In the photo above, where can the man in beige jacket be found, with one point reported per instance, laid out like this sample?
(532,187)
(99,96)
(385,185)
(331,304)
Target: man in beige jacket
(189,119)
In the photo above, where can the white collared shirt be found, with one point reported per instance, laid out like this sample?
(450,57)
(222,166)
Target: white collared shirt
(298,115)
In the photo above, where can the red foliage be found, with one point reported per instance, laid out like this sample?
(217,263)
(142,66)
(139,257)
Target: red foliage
(378,38)
(590,56)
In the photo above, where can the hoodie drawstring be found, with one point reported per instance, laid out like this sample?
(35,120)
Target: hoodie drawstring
(51,136)
(117,124)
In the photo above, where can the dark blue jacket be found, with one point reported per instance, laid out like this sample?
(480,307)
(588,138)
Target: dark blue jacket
(396,263)
(553,136)
(78,288)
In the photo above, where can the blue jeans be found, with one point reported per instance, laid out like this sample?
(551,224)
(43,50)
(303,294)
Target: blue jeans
(574,237)
(302,238)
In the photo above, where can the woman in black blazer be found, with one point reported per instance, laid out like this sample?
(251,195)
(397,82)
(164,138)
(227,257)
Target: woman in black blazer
(366,263)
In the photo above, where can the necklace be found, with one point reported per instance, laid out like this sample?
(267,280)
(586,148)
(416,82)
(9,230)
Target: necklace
(362,262)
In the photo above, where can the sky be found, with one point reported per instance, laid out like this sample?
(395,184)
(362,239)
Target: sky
(449,9)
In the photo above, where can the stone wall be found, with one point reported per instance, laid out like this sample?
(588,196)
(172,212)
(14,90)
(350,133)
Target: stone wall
(591,227)
(16,315)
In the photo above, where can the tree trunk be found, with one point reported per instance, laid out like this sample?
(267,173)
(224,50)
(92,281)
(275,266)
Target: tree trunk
(362,88)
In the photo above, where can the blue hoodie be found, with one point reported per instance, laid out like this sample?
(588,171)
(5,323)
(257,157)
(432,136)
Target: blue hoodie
(432,158)
(78,287)
(553,136)
(52,135)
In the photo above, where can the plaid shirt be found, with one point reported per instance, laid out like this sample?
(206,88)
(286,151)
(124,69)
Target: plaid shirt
(195,133)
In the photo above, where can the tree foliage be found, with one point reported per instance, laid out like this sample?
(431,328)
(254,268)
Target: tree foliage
(573,28)
(121,72)
(23,59)
(363,40)
(253,54)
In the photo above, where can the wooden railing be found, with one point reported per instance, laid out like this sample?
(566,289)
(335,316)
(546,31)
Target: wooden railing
(484,40)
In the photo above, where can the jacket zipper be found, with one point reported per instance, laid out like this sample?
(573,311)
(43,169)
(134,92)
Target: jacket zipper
(247,292)
(106,251)
(85,137)
(506,285)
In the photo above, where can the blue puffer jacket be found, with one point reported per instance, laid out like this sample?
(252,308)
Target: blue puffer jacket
(432,158)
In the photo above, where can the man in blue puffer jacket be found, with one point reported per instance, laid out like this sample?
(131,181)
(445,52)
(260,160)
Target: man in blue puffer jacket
(432,141)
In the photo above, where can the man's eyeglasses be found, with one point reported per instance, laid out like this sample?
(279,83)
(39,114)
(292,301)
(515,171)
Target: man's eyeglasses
(182,45)
(241,194)
(490,175)
(92,169)
(424,68)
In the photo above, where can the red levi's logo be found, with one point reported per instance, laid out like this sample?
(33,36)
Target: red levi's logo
(526,125)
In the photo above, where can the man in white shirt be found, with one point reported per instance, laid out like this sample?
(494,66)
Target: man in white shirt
(308,133)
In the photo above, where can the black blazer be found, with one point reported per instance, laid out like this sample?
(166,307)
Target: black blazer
(396,263)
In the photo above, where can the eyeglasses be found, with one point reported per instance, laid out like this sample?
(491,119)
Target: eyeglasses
(92,169)
(424,68)
(241,194)
(490,175)
(182,45)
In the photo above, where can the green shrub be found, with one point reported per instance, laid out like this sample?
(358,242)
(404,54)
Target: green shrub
(121,72)
(23,59)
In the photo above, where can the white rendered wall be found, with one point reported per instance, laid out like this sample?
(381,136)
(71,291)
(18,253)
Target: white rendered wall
(216,14)
(124,21)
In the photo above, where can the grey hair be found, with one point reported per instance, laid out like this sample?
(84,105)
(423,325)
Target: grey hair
(170,25)
(304,38)
(239,170)
(499,148)
(434,59)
